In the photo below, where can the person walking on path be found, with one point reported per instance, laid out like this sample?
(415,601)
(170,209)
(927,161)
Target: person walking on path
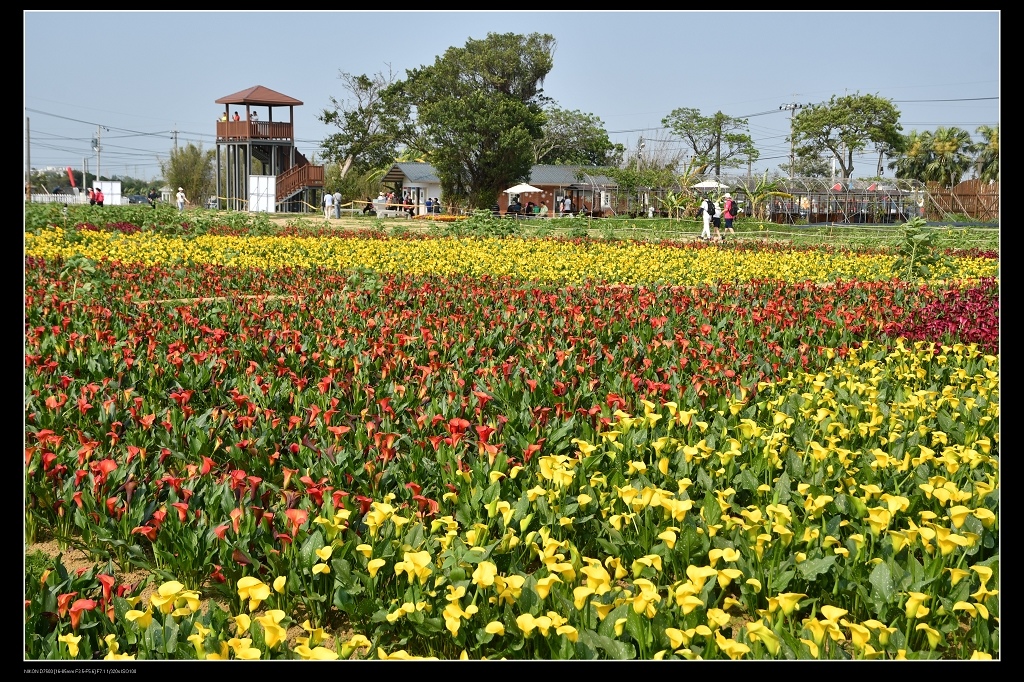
(328,205)
(99,197)
(180,198)
(716,221)
(729,213)
(337,204)
(153,196)
(92,196)
(707,209)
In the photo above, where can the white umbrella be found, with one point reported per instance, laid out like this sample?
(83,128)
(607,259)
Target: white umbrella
(522,188)
(709,184)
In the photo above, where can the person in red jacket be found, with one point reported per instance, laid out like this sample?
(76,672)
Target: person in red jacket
(99,198)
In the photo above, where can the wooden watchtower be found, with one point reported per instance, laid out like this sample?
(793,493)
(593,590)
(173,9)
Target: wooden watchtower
(265,146)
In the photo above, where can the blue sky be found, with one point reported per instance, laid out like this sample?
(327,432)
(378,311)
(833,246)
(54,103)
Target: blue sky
(141,78)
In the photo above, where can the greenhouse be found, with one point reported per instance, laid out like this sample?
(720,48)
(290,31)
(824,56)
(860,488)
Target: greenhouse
(809,201)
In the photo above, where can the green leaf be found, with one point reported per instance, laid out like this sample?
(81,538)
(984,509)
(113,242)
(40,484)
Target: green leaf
(607,626)
(782,488)
(307,552)
(882,582)
(636,626)
(794,465)
(843,504)
(170,637)
(615,650)
(610,546)
(429,627)
(712,512)
(809,570)
(745,480)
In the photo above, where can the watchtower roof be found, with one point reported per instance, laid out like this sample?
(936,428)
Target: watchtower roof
(259,95)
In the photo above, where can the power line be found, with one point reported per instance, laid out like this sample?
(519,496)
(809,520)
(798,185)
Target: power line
(961,99)
(106,127)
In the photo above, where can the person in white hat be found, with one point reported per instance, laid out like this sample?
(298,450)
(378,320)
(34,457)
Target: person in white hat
(180,197)
(729,212)
(705,211)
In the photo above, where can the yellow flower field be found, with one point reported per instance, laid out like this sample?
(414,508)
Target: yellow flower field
(536,259)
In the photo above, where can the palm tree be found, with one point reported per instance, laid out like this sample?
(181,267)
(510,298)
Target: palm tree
(759,194)
(987,161)
(910,165)
(952,150)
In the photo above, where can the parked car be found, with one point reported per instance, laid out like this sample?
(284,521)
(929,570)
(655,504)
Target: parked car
(137,199)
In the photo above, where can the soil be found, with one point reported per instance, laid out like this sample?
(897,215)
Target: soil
(75,559)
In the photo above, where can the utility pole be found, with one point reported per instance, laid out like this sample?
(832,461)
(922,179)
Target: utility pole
(96,148)
(792,152)
(28,163)
(718,146)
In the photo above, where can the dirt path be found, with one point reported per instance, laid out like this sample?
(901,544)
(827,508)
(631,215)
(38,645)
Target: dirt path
(349,223)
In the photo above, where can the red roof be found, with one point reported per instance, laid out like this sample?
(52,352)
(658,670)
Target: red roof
(260,95)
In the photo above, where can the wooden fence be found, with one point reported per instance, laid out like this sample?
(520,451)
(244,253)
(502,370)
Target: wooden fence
(974,198)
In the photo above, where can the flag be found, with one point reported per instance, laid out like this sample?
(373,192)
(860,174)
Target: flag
(71,177)
(873,186)
(838,187)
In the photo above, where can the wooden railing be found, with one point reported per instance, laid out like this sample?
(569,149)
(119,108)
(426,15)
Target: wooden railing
(254,130)
(296,177)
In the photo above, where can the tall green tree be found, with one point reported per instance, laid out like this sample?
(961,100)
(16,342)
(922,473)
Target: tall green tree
(911,162)
(718,141)
(635,179)
(192,168)
(374,121)
(575,138)
(845,126)
(130,185)
(987,160)
(480,108)
(807,167)
(952,152)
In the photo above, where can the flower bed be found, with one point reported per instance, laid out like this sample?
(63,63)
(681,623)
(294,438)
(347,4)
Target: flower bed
(406,459)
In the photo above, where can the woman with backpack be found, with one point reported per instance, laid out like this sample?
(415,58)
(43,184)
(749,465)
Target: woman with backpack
(729,212)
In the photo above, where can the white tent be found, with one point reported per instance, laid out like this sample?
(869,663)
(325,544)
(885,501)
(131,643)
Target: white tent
(709,184)
(522,188)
